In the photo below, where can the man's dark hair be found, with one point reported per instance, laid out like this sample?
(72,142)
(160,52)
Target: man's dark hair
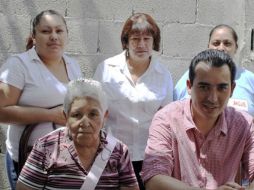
(214,58)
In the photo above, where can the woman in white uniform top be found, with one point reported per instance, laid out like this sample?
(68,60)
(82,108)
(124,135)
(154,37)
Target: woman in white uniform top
(137,85)
(33,82)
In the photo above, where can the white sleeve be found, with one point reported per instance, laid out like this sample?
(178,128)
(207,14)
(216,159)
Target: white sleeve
(13,72)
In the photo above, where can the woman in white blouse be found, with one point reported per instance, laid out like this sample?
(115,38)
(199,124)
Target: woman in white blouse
(137,85)
(34,81)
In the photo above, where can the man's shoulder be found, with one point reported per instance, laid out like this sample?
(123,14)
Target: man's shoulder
(236,116)
(174,108)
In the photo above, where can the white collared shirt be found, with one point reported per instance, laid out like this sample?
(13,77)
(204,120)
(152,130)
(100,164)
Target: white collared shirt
(132,106)
(40,88)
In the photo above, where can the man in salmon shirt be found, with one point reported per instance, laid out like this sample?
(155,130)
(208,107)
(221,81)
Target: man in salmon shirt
(199,143)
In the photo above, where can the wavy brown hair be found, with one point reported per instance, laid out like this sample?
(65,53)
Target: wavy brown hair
(141,23)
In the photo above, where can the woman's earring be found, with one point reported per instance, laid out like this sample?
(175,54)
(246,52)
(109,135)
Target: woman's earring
(127,53)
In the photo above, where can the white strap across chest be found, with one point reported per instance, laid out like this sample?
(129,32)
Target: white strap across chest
(99,164)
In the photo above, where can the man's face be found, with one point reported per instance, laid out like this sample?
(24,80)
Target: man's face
(210,91)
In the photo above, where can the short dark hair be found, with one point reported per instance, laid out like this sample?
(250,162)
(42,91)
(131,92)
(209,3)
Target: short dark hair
(214,58)
(141,23)
(233,32)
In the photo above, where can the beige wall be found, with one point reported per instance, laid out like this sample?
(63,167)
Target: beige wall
(95,27)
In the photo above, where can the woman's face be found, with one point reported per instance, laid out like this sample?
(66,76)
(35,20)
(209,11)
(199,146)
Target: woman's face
(50,37)
(85,120)
(140,46)
(222,39)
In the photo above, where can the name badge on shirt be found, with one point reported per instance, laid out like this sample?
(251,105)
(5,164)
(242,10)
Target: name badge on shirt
(238,104)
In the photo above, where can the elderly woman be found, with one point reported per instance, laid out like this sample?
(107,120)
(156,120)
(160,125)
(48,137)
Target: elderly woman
(137,85)
(81,155)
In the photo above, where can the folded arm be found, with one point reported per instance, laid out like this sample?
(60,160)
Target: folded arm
(163,182)
(21,186)
(10,112)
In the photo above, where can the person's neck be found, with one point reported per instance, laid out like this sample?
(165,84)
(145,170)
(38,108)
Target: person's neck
(137,68)
(87,154)
(203,124)
(51,61)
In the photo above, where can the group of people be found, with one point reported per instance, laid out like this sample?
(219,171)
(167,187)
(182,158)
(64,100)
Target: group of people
(127,128)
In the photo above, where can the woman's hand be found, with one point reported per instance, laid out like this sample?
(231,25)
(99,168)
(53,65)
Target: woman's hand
(231,186)
(58,116)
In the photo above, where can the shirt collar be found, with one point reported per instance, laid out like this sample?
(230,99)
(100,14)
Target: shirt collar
(34,56)
(71,147)
(220,127)
(122,63)
(188,122)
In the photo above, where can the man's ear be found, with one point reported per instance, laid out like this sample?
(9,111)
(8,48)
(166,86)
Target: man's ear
(33,38)
(65,116)
(232,88)
(188,86)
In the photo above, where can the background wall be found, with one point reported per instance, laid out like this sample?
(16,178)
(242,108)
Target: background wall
(95,27)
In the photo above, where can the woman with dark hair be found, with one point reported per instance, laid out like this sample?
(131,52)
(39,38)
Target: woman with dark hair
(33,85)
(137,85)
(224,38)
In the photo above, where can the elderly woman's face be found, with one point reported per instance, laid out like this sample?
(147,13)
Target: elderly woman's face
(85,119)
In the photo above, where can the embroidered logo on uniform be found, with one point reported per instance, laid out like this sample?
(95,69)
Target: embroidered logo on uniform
(238,104)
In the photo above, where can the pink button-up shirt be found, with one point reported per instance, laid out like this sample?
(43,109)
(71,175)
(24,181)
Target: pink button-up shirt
(176,148)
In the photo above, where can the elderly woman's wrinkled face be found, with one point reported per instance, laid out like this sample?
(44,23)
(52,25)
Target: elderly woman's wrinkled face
(85,119)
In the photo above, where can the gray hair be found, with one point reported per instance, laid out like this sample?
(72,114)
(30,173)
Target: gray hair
(81,88)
